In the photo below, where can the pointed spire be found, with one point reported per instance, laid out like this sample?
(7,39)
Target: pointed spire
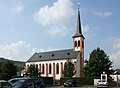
(78,30)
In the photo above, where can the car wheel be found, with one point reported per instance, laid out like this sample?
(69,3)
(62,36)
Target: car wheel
(73,85)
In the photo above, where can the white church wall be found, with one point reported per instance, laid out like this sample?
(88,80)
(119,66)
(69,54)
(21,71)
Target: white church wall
(57,76)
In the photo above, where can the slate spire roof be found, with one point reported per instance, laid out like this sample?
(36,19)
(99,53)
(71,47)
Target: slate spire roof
(78,30)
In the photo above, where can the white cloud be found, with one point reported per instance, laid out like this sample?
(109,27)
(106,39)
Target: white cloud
(59,31)
(115,56)
(52,49)
(85,28)
(103,14)
(55,16)
(115,43)
(20,51)
(16,51)
(19,7)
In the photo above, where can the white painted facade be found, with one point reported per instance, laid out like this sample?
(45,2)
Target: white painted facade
(114,77)
(57,76)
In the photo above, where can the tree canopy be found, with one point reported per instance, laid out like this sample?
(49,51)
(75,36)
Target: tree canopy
(68,69)
(97,63)
(33,70)
(7,70)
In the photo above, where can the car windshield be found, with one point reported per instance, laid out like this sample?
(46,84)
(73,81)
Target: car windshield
(5,84)
(17,82)
(70,80)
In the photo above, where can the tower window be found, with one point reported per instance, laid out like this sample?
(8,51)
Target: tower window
(75,44)
(78,43)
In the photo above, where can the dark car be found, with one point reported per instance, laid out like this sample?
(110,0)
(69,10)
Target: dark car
(5,84)
(27,83)
(70,83)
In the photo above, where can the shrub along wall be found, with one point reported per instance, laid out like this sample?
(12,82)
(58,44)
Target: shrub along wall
(80,81)
(47,80)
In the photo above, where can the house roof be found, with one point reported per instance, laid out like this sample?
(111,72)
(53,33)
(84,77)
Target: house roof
(118,71)
(54,55)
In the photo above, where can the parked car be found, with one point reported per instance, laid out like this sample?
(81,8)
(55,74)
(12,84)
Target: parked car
(27,83)
(70,83)
(102,84)
(5,84)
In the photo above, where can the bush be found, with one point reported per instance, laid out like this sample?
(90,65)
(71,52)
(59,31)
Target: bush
(47,80)
(80,81)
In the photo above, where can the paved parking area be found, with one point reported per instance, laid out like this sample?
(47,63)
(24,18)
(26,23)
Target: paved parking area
(76,87)
(71,87)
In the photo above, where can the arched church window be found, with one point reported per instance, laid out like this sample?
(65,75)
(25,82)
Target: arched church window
(65,64)
(37,66)
(43,68)
(61,66)
(78,43)
(27,66)
(57,68)
(50,68)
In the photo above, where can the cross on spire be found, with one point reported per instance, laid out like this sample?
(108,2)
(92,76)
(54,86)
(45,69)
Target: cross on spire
(78,6)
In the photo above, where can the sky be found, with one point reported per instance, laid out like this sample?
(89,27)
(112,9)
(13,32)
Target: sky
(29,26)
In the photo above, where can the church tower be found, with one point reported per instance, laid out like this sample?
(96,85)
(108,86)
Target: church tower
(78,45)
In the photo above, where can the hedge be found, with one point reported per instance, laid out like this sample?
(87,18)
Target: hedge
(80,81)
(47,80)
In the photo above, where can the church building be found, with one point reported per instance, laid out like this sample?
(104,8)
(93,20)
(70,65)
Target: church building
(51,64)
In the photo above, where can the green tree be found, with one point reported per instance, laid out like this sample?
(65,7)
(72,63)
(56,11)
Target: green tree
(97,63)
(33,70)
(68,69)
(8,70)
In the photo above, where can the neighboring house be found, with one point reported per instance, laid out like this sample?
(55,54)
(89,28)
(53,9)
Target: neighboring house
(51,64)
(114,76)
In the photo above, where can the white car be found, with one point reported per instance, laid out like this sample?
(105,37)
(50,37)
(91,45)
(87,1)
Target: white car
(102,84)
